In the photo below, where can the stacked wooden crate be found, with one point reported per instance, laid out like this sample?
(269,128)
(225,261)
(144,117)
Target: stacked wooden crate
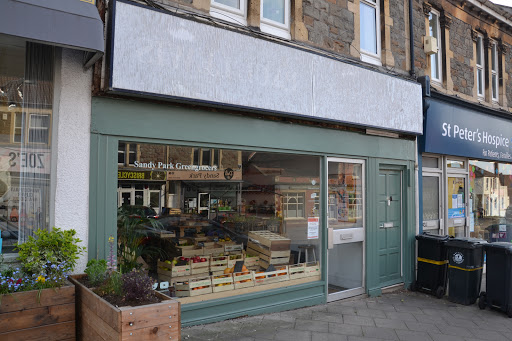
(272,248)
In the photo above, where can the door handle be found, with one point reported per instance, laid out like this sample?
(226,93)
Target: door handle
(330,237)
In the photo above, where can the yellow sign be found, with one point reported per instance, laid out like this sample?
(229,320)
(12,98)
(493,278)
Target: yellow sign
(89,1)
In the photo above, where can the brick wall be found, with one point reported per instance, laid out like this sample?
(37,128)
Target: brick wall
(461,45)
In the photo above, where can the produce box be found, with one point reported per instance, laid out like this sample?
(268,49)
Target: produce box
(297,271)
(193,287)
(312,269)
(213,250)
(222,283)
(262,278)
(233,258)
(166,234)
(263,250)
(233,247)
(191,252)
(251,260)
(166,270)
(243,279)
(201,265)
(270,240)
(218,263)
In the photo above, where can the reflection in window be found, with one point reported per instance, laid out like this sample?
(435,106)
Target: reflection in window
(26,96)
(249,199)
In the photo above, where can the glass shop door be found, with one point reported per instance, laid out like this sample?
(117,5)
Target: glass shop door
(346,228)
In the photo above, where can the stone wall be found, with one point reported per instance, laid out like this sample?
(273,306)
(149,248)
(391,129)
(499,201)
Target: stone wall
(229,159)
(181,154)
(330,24)
(461,45)
(399,34)
(508,70)
(420,58)
(152,152)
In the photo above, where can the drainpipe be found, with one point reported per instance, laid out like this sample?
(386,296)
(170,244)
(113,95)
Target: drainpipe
(411,40)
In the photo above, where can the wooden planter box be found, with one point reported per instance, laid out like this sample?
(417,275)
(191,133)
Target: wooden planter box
(23,317)
(98,320)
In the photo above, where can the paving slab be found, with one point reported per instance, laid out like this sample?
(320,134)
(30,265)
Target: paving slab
(401,315)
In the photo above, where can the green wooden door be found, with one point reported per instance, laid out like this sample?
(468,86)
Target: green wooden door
(389,225)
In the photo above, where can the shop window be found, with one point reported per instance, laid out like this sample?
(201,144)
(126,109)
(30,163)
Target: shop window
(430,162)
(490,200)
(435,59)
(369,18)
(293,205)
(234,11)
(212,217)
(494,72)
(480,67)
(275,17)
(455,164)
(26,98)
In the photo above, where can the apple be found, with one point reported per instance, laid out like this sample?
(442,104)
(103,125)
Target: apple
(195,260)
(203,259)
(182,258)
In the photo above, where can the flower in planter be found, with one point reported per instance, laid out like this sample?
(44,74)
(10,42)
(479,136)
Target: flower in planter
(46,262)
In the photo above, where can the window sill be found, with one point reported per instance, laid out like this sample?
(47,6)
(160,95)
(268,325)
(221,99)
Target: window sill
(228,16)
(275,31)
(370,58)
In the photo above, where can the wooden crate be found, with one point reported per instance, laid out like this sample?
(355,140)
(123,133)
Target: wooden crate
(248,279)
(272,241)
(98,320)
(262,278)
(191,287)
(213,250)
(200,267)
(312,269)
(191,252)
(276,261)
(23,317)
(233,258)
(263,250)
(218,263)
(166,271)
(222,283)
(251,261)
(166,234)
(233,247)
(297,271)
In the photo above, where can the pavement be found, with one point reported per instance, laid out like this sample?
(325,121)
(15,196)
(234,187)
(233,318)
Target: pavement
(400,315)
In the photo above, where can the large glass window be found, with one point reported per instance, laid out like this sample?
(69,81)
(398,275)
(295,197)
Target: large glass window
(275,17)
(26,96)
(230,10)
(480,65)
(490,200)
(494,71)
(189,214)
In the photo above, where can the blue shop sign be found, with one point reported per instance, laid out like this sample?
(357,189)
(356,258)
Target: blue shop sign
(455,130)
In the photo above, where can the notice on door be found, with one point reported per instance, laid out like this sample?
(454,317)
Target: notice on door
(313,227)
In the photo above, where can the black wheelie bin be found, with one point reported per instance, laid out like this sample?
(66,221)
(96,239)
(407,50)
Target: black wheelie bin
(466,258)
(498,293)
(432,264)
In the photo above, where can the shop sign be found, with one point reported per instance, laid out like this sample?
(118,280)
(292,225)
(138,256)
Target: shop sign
(227,174)
(455,130)
(141,175)
(25,160)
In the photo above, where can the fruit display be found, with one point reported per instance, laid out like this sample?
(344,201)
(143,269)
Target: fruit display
(222,283)
(193,287)
(262,278)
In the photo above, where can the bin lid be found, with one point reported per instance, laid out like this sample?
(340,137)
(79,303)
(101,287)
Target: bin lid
(504,246)
(432,237)
(468,243)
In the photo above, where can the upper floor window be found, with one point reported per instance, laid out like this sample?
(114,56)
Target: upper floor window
(480,65)
(435,58)
(370,31)
(38,129)
(124,149)
(275,17)
(494,72)
(230,10)
(293,205)
(205,157)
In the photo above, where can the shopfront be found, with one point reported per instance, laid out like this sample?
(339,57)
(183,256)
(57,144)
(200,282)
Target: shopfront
(466,171)
(340,211)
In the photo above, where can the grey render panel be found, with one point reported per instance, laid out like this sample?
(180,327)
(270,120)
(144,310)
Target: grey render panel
(162,54)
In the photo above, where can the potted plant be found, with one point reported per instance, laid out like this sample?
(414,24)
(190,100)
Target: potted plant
(115,306)
(36,298)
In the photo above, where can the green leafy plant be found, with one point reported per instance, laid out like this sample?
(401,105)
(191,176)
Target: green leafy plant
(96,271)
(49,247)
